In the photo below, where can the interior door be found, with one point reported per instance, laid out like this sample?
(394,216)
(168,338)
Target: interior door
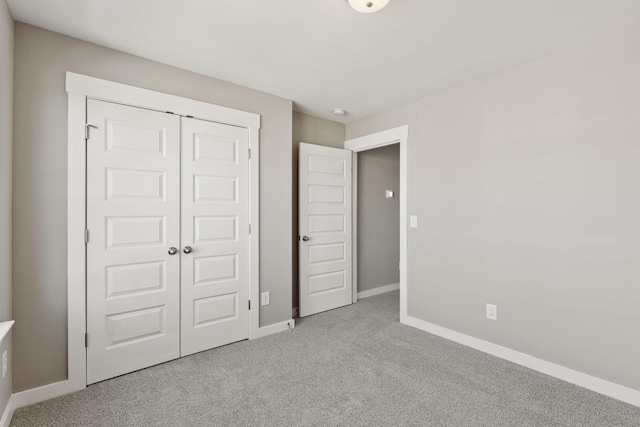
(133,221)
(324,209)
(215,235)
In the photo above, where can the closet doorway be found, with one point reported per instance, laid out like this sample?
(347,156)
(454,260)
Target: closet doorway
(168,202)
(167,222)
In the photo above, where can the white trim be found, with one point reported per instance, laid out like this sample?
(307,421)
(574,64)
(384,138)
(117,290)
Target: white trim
(354,227)
(5,327)
(76,223)
(581,379)
(79,89)
(379,290)
(380,139)
(275,328)
(254,238)
(5,420)
(40,394)
(137,97)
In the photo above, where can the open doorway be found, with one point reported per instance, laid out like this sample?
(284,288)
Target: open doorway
(377,202)
(396,136)
(327,210)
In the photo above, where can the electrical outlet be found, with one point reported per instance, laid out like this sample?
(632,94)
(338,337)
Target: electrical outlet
(265,298)
(492,312)
(4,364)
(413,221)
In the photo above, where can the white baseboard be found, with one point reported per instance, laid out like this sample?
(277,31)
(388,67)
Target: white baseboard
(49,391)
(275,328)
(581,379)
(5,420)
(39,394)
(31,396)
(380,290)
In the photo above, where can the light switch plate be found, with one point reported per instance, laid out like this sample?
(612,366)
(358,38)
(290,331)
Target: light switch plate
(413,221)
(492,312)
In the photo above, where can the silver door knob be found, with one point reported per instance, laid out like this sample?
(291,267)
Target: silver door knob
(187,249)
(305,238)
(172,251)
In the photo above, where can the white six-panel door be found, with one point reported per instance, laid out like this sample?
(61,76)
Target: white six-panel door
(152,191)
(133,218)
(324,204)
(215,226)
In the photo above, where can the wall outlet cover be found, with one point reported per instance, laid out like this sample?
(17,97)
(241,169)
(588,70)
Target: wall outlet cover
(265,298)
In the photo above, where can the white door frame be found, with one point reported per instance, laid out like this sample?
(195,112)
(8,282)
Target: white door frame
(398,135)
(79,89)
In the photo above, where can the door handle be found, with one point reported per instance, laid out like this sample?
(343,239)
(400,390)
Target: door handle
(172,251)
(305,238)
(187,249)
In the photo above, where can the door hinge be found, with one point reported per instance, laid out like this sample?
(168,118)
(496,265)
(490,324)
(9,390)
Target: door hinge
(86,340)
(249,304)
(87,126)
(86,236)
(249,153)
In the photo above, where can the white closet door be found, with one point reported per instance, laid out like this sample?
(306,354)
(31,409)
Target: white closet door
(215,235)
(324,223)
(133,161)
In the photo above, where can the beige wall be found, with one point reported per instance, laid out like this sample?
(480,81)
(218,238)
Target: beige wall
(6,144)
(526,185)
(40,172)
(312,130)
(378,217)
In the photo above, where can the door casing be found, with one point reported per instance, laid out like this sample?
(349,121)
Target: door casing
(398,135)
(79,89)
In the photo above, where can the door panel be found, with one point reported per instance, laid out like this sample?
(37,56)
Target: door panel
(133,213)
(325,218)
(215,224)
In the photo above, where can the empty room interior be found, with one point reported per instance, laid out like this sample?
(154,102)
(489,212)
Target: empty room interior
(320,212)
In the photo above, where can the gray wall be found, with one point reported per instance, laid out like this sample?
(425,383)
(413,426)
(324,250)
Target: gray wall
(526,185)
(378,217)
(314,131)
(6,144)
(40,173)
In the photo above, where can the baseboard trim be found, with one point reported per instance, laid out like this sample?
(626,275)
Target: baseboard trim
(31,396)
(39,394)
(581,379)
(50,391)
(5,420)
(380,290)
(274,329)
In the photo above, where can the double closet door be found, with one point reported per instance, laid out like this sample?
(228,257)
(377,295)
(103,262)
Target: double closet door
(168,237)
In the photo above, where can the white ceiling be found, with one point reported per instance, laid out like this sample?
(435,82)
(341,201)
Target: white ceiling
(322,54)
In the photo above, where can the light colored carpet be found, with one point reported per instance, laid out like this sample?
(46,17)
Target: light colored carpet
(355,366)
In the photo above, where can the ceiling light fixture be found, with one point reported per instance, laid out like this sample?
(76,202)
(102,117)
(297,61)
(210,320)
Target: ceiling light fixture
(339,112)
(368,6)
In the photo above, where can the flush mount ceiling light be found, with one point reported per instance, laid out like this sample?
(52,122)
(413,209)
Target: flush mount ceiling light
(368,6)
(339,112)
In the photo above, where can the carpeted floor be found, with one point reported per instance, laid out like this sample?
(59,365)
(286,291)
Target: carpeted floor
(354,366)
